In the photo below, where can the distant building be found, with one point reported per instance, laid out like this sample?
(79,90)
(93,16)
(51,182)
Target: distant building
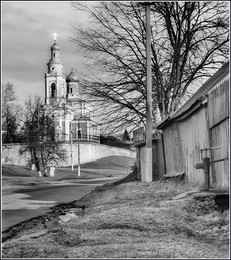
(72,111)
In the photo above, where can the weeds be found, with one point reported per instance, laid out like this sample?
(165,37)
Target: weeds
(199,208)
(66,237)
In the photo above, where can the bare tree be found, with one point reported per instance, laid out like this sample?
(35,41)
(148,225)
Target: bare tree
(40,133)
(11,114)
(189,42)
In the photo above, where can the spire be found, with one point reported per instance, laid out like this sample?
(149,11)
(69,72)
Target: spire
(55,35)
(55,65)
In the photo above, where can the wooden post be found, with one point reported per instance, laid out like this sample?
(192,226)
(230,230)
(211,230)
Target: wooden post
(148,173)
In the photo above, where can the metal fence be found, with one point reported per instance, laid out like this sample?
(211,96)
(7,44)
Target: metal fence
(83,138)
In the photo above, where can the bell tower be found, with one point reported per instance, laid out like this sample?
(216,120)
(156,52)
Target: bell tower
(55,80)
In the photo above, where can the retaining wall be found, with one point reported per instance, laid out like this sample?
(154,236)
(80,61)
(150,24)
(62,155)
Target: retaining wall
(88,152)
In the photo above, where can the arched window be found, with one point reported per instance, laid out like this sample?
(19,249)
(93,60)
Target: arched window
(53,90)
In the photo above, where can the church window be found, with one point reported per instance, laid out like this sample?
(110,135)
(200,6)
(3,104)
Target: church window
(53,90)
(54,54)
(71,90)
(53,68)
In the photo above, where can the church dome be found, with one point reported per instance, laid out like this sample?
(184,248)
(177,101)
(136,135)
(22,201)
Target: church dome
(55,46)
(72,77)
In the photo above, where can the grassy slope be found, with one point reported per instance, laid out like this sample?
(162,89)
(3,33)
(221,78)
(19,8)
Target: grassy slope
(134,220)
(110,162)
(105,167)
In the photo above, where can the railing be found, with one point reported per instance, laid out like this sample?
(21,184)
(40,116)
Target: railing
(83,138)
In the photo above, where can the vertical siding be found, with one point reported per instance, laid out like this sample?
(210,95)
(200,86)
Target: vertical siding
(175,162)
(218,103)
(194,135)
(160,157)
(220,137)
(207,127)
(218,112)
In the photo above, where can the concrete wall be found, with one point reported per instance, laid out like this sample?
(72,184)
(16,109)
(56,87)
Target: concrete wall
(88,152)
(158,164)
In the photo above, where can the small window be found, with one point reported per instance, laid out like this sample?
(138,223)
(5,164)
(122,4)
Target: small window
(54,54)
(53,90)
(53,68)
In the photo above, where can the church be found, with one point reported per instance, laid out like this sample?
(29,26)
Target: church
(73,114)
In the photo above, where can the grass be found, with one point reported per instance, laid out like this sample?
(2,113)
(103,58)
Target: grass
(110,162)
(134,220)
(112,166)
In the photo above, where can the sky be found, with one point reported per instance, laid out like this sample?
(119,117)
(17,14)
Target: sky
(27,35)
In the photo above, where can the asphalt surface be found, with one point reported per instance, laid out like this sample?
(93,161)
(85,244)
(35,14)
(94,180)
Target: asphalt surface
(28,202)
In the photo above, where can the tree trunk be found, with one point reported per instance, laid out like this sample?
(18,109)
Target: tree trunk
(37,164)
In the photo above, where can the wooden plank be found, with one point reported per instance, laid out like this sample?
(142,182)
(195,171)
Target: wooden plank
(194,136)
(173,151)
(218,103)
(220,137)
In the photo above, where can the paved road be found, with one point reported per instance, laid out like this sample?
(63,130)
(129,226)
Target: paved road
(24,203)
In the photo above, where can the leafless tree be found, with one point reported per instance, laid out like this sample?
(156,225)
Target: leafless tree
(11,114)
(40,133)
(189,42)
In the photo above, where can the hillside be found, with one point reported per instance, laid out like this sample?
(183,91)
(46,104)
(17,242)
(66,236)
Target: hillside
(113,162)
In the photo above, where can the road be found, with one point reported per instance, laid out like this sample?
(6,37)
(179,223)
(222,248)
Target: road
(27,202)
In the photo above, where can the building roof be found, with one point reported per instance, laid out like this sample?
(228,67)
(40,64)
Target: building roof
(72,77)
(55,46)
(197,98)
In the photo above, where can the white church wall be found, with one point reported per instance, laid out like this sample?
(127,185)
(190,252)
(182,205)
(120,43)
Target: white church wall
(88,152)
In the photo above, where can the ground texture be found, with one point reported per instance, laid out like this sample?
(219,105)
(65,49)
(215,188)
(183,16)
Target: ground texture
(131,220)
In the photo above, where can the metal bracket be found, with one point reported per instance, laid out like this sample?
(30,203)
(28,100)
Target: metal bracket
(208,149)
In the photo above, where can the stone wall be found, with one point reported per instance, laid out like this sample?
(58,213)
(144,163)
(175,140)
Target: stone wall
(88,152)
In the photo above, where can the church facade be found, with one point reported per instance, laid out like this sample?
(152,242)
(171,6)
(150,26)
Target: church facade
(73,114)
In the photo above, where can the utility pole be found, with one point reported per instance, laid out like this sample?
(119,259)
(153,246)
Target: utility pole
(79,136)
(72,167)
(148,175)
